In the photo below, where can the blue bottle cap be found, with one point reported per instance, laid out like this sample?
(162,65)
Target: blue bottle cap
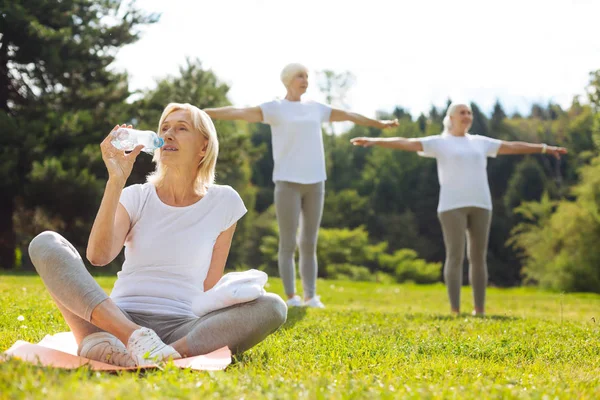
(159,142)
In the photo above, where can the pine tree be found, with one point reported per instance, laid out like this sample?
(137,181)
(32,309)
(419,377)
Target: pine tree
(56,94)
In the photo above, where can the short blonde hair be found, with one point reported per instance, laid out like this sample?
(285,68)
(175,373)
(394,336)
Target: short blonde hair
(453,106)
(201,123)
(289,72)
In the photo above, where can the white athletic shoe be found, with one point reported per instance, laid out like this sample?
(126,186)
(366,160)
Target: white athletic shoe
(295,301)
(146,348)
(315,302)
(104,347)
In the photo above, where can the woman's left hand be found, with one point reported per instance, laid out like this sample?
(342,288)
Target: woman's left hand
(384,124)
(362,141)
(556,151)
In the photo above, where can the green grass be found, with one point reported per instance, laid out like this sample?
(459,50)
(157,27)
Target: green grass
(372,341)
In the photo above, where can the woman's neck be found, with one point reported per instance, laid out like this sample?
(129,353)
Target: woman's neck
(178,189)
(291,96)
(457,132)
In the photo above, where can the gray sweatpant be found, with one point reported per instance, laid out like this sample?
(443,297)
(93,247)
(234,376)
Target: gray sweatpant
(76,294)
(297,203)
(476,223)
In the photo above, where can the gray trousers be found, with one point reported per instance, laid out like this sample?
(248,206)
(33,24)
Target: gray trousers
(76,294)
(476,223)
(298,204)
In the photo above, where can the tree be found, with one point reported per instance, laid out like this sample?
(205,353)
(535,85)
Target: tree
(480,122)
(538,112)
(56,96)
(335,87)
(401,113)
(422,122)
(558,240)
(435,116)
(344,209)
(593,89)
(527,183)
(262,168)
(498,117)
(446,107)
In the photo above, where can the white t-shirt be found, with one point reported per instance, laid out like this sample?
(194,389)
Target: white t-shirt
(461,166)
(297,139)
(168,250)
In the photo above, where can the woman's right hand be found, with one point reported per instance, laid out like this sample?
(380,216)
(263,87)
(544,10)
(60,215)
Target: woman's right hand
(362,141)
(118,163)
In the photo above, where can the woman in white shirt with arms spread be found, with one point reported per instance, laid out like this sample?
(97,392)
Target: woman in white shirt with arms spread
(299,172)
(465,203)
(177,230)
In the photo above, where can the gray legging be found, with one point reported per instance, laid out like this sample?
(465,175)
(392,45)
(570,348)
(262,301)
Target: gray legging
(476,222)
(76,294)
(293,200)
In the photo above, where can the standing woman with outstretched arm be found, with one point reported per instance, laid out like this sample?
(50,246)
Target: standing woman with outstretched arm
(299,172)
(465,203)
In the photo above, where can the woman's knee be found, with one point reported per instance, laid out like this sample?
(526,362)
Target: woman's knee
(307,246)
(477,257)
(287,249)
(43,244)
(455,260)
(274,308)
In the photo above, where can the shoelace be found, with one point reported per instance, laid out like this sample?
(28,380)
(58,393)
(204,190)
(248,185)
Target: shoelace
(118,356)
(114,355)
(147,341)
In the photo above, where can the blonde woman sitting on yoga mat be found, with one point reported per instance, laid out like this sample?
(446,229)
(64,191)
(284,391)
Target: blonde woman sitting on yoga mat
(177,230)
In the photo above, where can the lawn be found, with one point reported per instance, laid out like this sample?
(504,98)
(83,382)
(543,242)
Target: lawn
(372,341)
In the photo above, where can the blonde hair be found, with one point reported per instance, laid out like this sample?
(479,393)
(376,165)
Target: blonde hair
(289,72)
(453,106)
(201,122)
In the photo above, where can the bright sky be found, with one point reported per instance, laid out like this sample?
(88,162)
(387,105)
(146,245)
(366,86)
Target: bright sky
(408,53)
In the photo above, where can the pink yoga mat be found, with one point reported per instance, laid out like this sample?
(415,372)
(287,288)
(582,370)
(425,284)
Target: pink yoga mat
(60,351)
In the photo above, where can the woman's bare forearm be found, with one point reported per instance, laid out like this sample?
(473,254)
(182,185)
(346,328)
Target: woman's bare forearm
(100,247)
(225,113)
(364,121)
(231,113)
(399,143)
(521,148)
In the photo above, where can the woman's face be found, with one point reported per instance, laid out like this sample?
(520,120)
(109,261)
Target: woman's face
(462,118)
(183,144)
(299,82)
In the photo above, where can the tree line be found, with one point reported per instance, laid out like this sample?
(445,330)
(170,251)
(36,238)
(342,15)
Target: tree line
(59,97)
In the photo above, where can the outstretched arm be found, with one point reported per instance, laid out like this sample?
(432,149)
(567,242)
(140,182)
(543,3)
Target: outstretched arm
(338,115)
(248,114)
(530,148)
(398,143)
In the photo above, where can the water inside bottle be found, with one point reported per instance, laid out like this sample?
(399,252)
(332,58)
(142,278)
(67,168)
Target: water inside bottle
(122,141)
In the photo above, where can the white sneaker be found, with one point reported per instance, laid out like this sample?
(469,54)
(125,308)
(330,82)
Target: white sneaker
(146,348)
(315,302)
(104,347)
(295,301)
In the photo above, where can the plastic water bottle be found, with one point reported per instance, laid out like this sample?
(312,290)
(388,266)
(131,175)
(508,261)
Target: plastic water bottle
(126,139)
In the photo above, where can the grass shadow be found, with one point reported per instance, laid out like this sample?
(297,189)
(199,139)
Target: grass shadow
(295,315)
(500,317)
(449,317)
